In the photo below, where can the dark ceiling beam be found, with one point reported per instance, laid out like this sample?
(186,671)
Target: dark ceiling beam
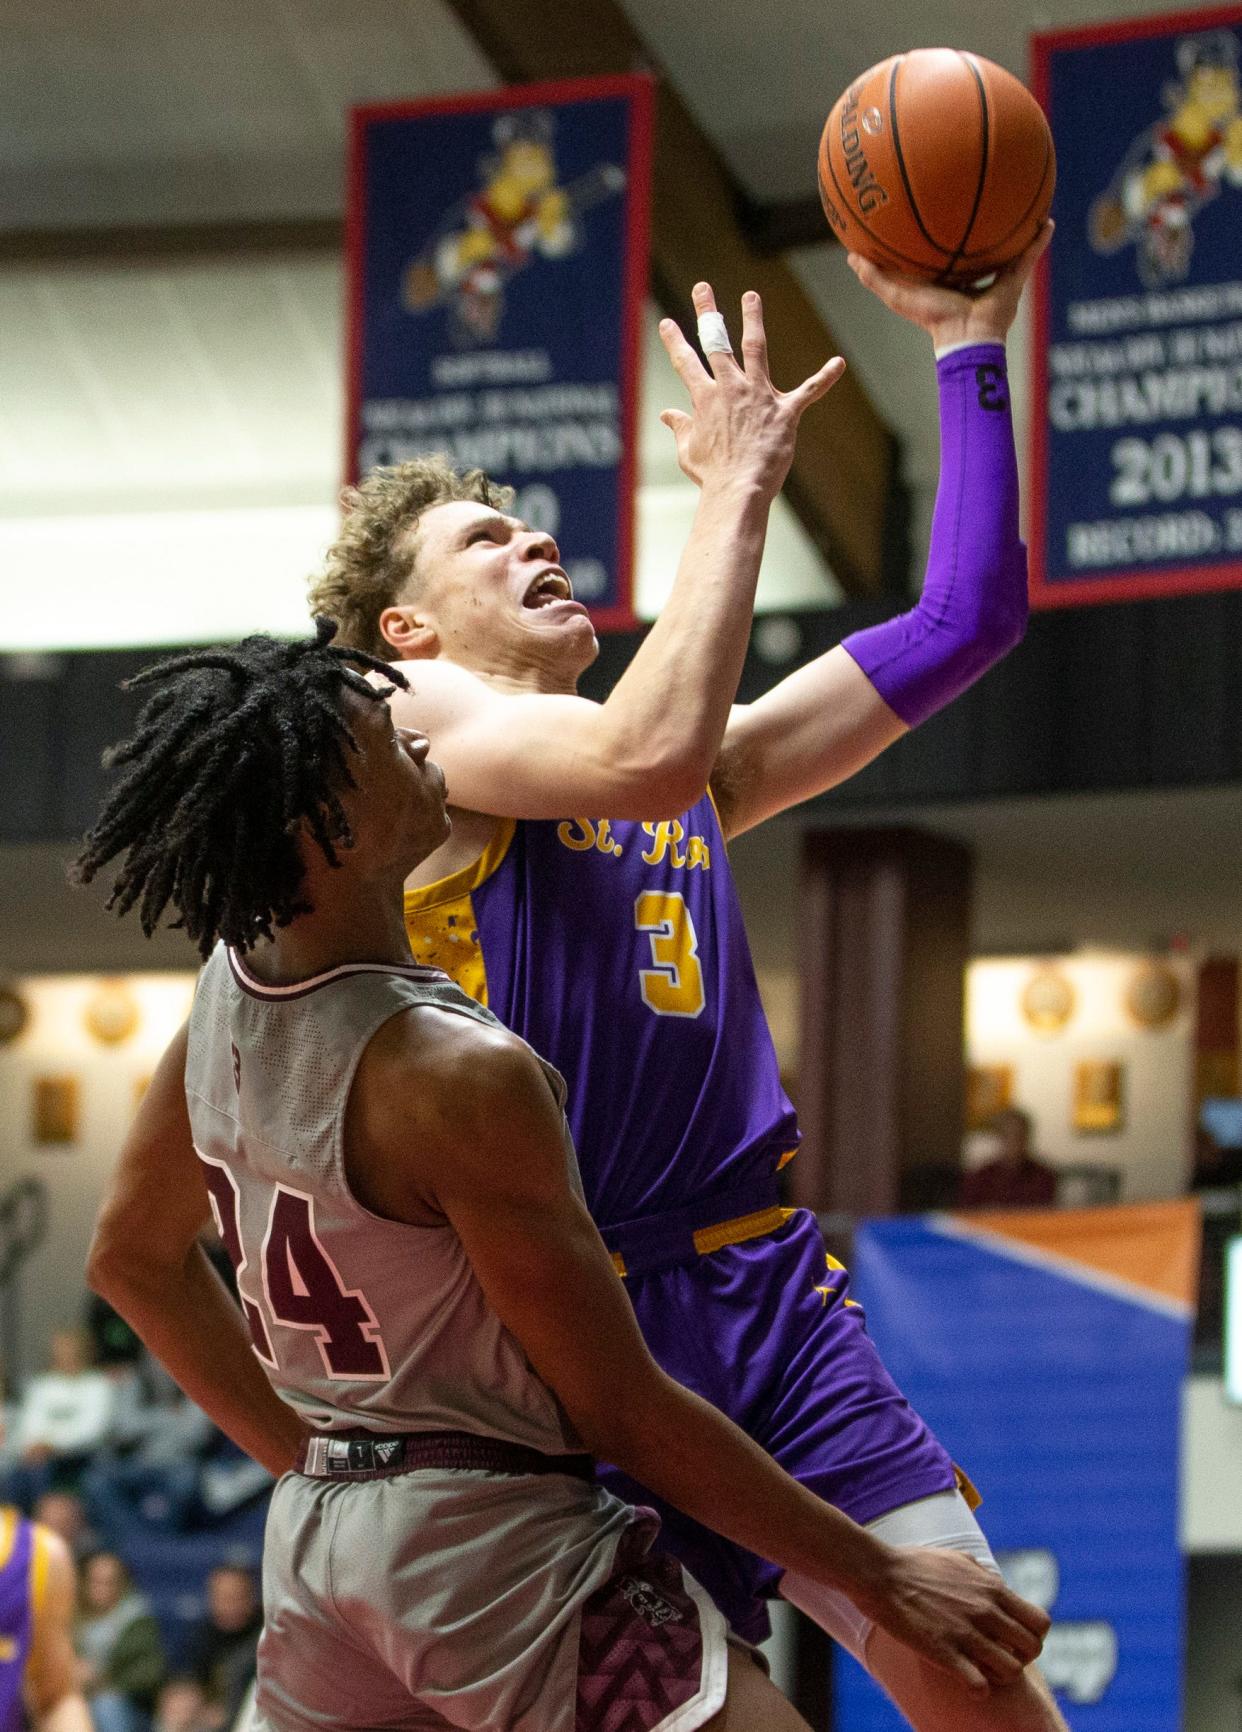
(164,242)
(845,483)
(783,225)
(773,227)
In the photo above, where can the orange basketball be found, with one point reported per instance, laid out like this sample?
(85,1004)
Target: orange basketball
(937,164)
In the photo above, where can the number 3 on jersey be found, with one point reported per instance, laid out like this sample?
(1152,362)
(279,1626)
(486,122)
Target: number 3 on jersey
(673,985)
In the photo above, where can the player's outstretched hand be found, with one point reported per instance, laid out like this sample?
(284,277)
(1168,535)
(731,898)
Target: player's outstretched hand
(948,315)
(740,428)
(959,1616)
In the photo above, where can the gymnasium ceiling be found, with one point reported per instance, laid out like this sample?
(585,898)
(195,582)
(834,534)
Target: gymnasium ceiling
(142,111)
(206,379)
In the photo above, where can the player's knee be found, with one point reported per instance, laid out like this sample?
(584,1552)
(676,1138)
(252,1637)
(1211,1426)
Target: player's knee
(753,1703)
(935,1701)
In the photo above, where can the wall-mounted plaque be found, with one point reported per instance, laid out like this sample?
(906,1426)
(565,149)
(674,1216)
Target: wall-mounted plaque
(14,1014)
(1099,1097)
(1153,995)
(112,1013)
(54,1109)
(1048,1000)
(989,1090)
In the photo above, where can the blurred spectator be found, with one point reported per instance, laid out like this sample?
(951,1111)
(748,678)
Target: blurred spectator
(153,1470)
(9,1452)
(120,1654)
(63,1418)
(1218,1156)
(182,1706)
(114,1342)
(230,1479)
(221,1654)
(1014,1178)
(65,1513)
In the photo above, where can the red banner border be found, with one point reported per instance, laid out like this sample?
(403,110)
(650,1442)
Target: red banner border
(639,88)
(1119,585)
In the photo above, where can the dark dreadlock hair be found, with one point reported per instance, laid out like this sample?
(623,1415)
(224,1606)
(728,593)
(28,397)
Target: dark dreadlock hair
(237,749)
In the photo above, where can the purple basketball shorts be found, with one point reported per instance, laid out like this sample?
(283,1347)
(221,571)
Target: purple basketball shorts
(766,1331)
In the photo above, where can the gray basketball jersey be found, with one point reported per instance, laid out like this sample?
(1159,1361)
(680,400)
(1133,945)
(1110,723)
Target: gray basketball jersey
(359,1321)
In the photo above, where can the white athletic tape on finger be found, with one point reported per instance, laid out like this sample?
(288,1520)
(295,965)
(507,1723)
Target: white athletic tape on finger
(714,335)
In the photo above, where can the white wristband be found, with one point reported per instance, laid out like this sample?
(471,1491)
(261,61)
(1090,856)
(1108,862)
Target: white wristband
(967,343)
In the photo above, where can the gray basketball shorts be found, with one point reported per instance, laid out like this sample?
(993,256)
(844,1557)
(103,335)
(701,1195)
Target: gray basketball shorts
(485,1602)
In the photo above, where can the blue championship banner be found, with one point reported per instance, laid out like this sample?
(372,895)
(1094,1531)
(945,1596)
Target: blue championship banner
(1047,1350)
(1137,358)
(497,252)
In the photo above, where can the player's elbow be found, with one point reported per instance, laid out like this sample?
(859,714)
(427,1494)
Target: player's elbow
(655,784)
(104,1266)
(998,621)
(636,1433)
(658,770)
(669,795)
(1001,629)
(1010,608)
(1006,622)
(117,1262)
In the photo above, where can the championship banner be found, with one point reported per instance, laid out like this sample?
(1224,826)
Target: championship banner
(497,258)
(1047,1350)
(1136,403)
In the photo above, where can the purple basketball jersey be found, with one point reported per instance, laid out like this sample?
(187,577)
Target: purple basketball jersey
(16,1615)
(617,950)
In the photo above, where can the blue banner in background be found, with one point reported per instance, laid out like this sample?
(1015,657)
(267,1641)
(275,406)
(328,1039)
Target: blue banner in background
(497,249)
(1137,358)
(1054,1378)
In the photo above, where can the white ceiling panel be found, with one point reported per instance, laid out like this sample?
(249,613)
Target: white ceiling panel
(763,93)
(183,385)
(115,112)
(220,382)
(126,111)
(209,397)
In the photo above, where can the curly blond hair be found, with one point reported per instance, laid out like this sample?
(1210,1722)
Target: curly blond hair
(370,561)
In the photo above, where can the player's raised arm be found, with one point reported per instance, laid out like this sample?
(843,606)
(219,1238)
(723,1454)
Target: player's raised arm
(494,1159)
(830,718)
(648,750)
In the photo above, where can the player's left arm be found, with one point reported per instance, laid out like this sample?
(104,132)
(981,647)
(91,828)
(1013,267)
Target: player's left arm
(145,1260)
(828,719)
(53,1700)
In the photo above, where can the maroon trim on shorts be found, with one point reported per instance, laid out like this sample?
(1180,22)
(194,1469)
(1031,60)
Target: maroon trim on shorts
(640,1647)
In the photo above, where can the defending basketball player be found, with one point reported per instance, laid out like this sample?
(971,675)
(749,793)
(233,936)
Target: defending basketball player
(38,1667)
(585,896)
(393,1177)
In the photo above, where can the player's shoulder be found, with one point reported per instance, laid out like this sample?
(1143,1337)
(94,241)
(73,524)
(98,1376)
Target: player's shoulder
(434,689)
(49,1544)
(52,1573)
(442,1058)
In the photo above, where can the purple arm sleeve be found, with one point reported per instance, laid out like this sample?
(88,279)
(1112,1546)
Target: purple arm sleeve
(973,606)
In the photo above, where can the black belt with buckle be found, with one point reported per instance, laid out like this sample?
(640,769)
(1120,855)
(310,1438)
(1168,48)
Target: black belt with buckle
(379,1455)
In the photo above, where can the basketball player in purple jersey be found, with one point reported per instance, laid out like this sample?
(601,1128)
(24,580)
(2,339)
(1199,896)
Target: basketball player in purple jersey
(38,1669)
(393,1177)
(585,896)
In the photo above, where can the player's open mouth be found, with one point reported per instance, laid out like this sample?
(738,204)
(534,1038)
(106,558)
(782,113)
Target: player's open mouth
(551,586)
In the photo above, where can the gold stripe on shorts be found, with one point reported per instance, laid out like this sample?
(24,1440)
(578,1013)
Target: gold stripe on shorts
(732,1232)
